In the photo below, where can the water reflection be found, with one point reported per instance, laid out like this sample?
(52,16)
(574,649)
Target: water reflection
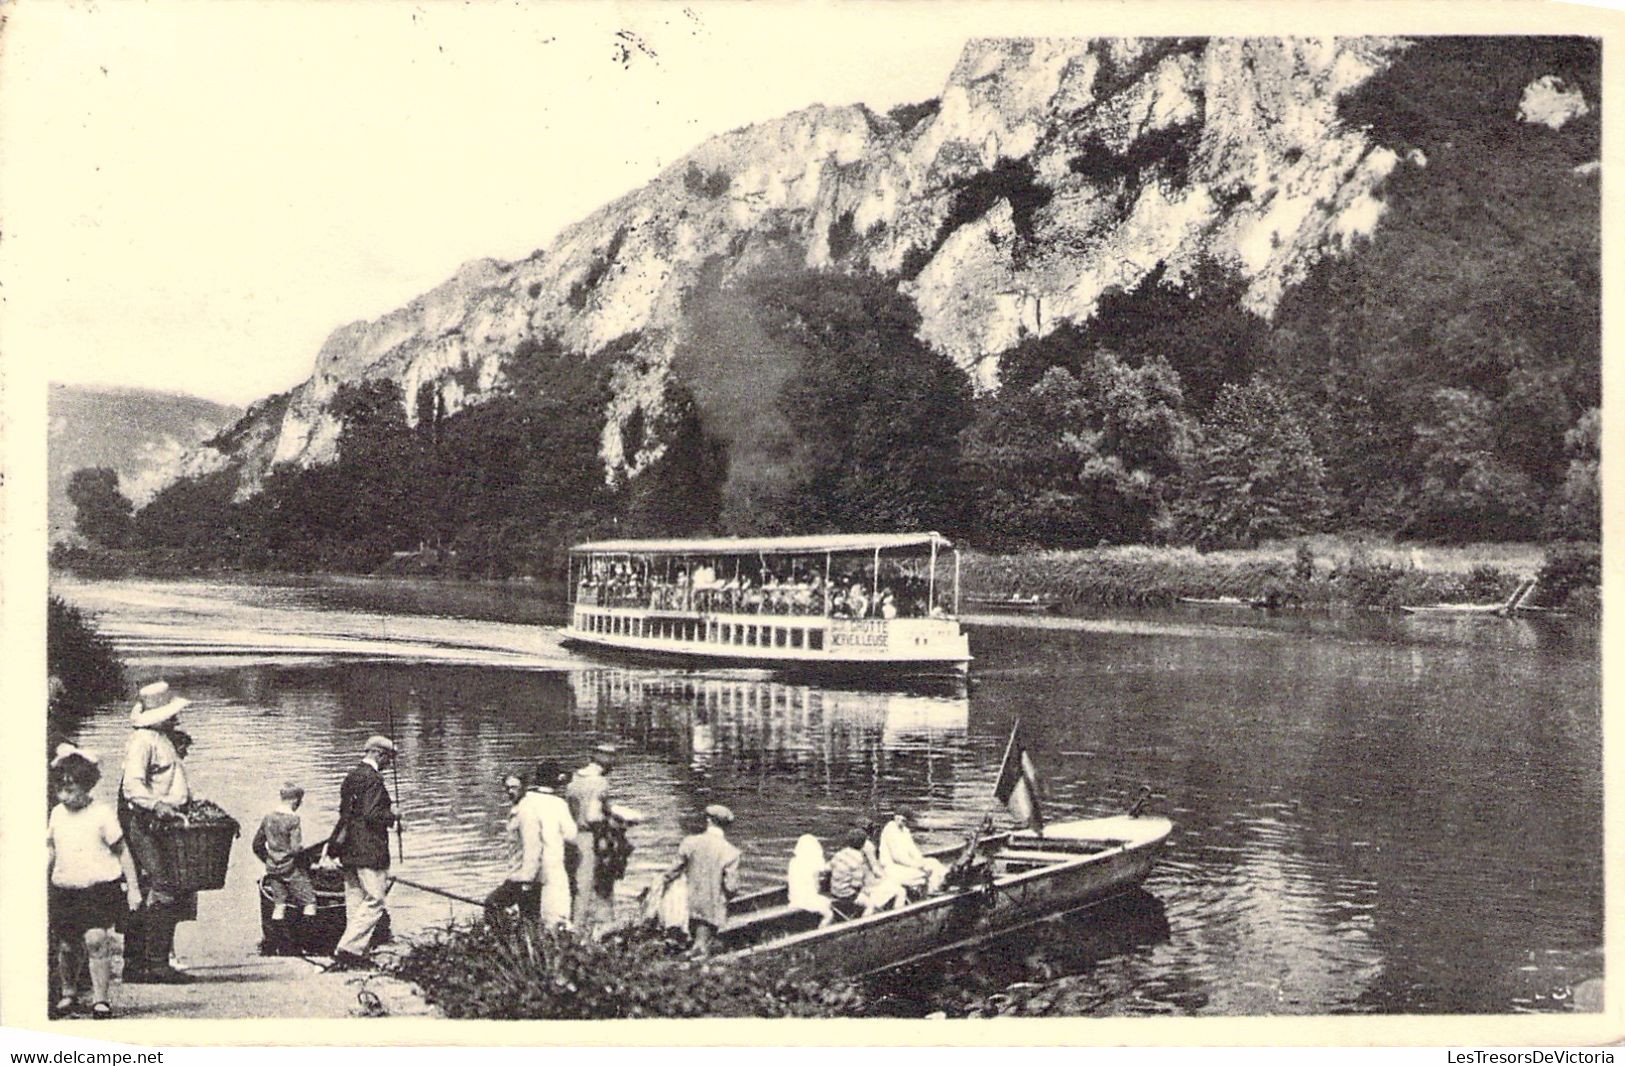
(1374,814)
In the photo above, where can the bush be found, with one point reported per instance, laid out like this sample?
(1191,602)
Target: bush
(508,969)
(1570,568)
(80,659)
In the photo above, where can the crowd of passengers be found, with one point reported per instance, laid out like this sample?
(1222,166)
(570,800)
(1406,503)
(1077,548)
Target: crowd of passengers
(851,594)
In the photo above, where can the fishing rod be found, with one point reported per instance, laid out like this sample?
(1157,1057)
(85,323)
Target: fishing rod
(395,761)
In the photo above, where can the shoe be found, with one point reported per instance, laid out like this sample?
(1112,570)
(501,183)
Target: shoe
(101,1011)
(176,963)
(344,960)
(65,1007)
(157,975)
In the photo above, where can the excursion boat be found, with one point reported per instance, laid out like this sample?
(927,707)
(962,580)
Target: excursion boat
(848,603)
(1018,878)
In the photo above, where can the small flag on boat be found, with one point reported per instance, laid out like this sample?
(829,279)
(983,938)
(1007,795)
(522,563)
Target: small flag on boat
(1017,787)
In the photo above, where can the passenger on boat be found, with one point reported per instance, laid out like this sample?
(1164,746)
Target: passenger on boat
(711,865)
(882,889)
(807,866)
(857,601)
(902,859)
(848,870)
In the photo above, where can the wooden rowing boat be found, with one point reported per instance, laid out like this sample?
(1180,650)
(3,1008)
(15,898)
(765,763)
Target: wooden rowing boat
(1018,879)
(1017,603)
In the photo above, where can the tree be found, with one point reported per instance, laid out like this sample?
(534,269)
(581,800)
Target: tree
(1468,491)
(1576,512)
(1075,459)
(876,413)
(103,514)
(681,491)
(1257,474)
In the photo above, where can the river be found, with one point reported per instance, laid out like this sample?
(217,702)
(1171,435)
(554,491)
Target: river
(1374,814)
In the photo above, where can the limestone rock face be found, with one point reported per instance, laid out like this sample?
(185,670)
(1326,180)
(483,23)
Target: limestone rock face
(1049,172)
(1552,102)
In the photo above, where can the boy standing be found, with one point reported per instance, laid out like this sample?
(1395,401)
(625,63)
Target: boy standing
(278,843)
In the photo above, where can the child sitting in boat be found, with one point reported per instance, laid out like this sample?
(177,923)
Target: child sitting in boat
(807,867)
(278,844)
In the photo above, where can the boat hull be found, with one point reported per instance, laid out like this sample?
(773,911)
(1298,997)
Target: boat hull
(947,922)
(808,644)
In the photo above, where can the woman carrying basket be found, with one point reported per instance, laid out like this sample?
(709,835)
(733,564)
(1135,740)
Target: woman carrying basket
(154,784)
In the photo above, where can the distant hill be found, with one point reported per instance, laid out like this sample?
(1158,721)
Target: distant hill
(140,434)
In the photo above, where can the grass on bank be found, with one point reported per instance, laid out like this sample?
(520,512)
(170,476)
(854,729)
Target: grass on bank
(507,969)
(1325,571)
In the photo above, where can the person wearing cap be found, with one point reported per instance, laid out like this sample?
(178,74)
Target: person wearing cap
(360,843)
(902,860)
(711,865)
(588,796)
(278,843)
(154,783)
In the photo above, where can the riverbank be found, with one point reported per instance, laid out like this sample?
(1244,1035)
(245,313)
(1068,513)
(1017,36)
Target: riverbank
(1319,572)
(1316,572)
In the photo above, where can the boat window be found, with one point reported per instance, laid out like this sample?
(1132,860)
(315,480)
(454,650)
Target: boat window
(780,637)
(815,639)
(797,637)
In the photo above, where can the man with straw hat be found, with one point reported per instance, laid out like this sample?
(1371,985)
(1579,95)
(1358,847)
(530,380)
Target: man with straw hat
(360,842)
(154,783)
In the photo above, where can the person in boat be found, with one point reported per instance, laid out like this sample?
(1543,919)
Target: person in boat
(807,867)
(857,601)
(902,859)
(522,889)
(711,865)
(154,785)
(360,843)
(848,870)
(880,888)
(588,797)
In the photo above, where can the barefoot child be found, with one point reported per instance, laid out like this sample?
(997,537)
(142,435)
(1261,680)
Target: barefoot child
(278,843)
(86,858)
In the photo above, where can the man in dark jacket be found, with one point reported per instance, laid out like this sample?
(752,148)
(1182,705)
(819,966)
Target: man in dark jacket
(360,843)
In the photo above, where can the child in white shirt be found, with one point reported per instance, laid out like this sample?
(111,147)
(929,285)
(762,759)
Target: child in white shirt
(86,859)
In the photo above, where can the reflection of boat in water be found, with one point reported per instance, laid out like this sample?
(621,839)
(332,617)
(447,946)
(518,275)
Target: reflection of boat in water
(717,713)
(856,604)
(1026,878)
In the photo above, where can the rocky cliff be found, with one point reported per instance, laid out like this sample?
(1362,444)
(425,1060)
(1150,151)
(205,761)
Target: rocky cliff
(1047,173)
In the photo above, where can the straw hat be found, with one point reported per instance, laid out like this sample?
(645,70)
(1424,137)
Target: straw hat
(720,814)
(155,705)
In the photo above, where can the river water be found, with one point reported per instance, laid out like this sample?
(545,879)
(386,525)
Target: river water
(1374,814)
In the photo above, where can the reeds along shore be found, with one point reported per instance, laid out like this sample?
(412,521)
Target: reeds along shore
(1321,572)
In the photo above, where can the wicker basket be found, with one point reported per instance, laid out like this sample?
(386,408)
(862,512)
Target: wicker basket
(195,857)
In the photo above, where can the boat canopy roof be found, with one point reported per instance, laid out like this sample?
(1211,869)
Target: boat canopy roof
(829,542)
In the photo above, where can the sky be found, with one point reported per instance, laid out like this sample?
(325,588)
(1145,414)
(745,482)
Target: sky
(196,194)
